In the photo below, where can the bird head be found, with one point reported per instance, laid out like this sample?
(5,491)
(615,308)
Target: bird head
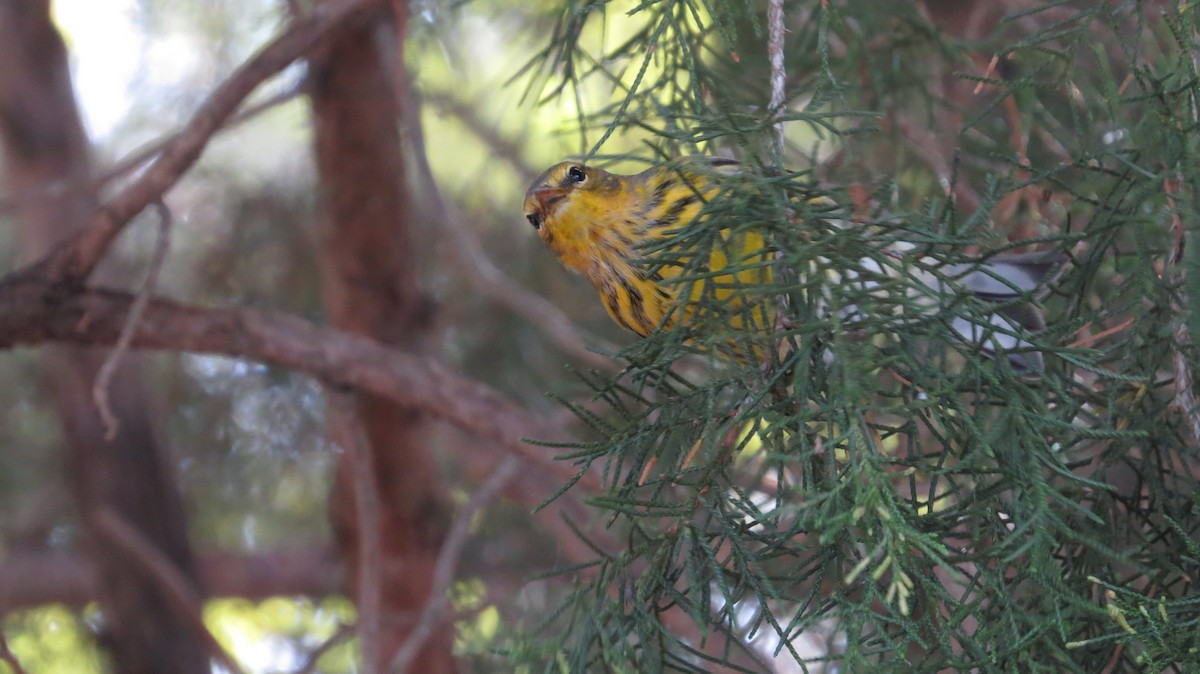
(569,201)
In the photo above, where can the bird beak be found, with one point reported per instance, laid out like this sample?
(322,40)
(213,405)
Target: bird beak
(547,197)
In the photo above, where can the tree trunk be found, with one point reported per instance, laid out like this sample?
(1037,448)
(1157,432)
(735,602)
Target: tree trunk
(371,288)
(123,488)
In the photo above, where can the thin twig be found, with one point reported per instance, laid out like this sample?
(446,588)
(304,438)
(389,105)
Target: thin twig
(177,588)
(471,114)
(1185,392)
(1088,340)
(929,149)
(775,36)
(140,157)
(74,260)
(8,657)
(447,564)
(109,367)
(485,276)
(348,433)
(34,311)
(340,635)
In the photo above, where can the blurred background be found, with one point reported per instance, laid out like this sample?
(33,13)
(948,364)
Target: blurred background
(246,443)
(449,110)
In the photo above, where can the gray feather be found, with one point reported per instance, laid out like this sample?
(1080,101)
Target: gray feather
(1007,276)
(1001,280)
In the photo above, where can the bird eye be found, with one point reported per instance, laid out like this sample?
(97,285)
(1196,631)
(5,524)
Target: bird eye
(534,219)
(576,174)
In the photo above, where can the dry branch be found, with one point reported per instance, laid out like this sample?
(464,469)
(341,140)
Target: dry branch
(347,430)
(33,311)
(73,260)
(7,657)
(464,243)
(138,158)
(433,615)
(35,578)
(183,596)
(109,367)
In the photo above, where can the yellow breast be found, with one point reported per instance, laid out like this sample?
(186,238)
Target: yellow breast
(610,238)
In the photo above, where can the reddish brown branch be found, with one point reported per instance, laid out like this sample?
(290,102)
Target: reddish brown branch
(463,243)
(109,367)
(74,260)
(347,430)
(176,586)
(140,157)
(7,657)
(33,312)
(433,615)
(34,578)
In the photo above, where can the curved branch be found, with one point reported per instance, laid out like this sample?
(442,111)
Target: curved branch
(465,245)
(73,260)
(34,578)
(33,311)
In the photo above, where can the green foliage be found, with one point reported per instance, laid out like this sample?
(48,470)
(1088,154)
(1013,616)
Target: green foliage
(278,633)
(52,640)
(878,495)
(272,635)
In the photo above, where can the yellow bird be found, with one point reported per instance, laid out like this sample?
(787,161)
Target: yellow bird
(599,225)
